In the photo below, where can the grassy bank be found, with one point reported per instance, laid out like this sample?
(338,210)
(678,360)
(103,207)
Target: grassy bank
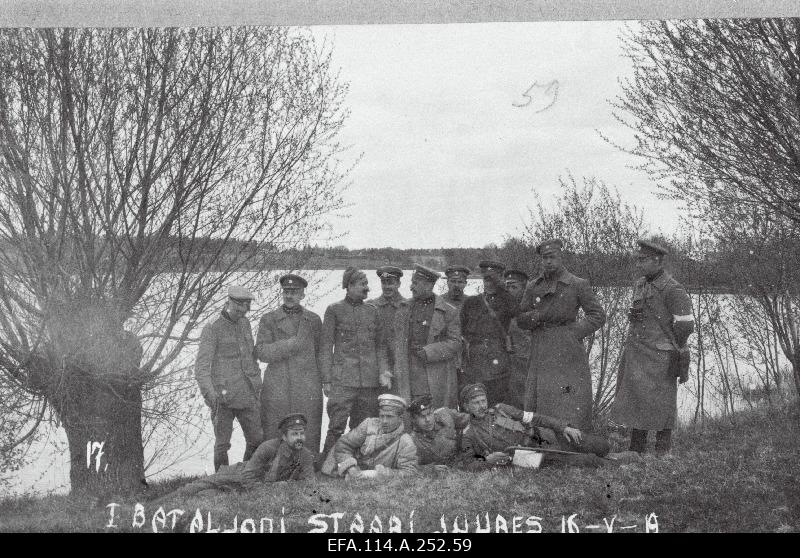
(726,478)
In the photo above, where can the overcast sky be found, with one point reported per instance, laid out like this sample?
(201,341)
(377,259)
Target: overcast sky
(448,159)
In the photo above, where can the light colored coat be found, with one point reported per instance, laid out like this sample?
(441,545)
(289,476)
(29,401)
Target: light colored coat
(368,446)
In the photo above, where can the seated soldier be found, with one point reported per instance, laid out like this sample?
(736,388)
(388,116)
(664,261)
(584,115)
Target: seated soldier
(436,433)
(378,447)
(491,431)
(280,459)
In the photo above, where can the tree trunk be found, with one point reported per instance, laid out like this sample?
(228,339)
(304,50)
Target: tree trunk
(104,432)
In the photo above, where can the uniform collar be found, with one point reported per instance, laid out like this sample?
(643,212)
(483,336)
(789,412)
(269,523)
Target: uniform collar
(352,302)
(426,301)
(291,311)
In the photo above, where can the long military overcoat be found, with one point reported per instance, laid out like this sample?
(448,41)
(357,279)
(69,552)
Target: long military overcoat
(559,383)
(441,350)
(647,390)
(293,377)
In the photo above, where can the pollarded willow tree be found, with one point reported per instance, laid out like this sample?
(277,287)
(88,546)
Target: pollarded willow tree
(715,109)
(141,171)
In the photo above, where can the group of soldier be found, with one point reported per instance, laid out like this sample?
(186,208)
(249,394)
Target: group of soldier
(437,381)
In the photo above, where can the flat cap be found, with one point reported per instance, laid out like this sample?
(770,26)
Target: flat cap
(491,264)
(471,390)
(651,248)
(352,274)
(516,275)
(426,273)
(292,281)
(240,293)
(548,246)
(391,400)
(454,270)
(386,271)
(292,420)
(420,404)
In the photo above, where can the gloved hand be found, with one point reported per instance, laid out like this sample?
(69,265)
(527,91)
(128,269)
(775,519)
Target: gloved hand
(385,379)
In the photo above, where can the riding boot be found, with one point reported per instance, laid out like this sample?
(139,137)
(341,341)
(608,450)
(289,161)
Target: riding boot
(663,441)
(638,440)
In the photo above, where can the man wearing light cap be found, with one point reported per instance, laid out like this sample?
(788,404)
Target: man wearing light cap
(378,447)
(389,301)
(281,459)
(436,432)
(289,340)
(485,319)
(661,322)
(559,383)
(353,356)
(492,430)
(425,344)
(516,281)
(228,375)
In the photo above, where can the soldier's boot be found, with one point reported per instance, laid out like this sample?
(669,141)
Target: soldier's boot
(638,441)
(220,458)
(663,441)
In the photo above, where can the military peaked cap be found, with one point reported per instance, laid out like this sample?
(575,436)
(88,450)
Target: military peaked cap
(292,281)
(387,271)
(457,270)
(292,420)
(426,273)
(390,400)
(651,248)
(240,294)
(470,391)
(420,404)
(550,245)
(516,275)
(491,264)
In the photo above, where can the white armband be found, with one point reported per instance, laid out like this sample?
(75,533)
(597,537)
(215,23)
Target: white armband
(686,318)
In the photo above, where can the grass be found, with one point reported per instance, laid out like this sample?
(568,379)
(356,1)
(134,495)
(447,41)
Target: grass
(725,478)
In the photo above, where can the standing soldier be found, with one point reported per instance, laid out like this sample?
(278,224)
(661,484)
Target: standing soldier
(352,357)
(389,301)
(289,340)
(485,319)
(456,283)
(228,375)
(661,322)
(559,383)
(516,281)
(426,341)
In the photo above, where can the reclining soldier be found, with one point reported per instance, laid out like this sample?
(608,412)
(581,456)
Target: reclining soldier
(436,433)
(280,459)
(491,431)
(378,447)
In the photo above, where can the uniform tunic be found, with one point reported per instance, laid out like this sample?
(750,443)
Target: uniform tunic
(559,382)
(387,309)
(368,446)
(418,327)
(647,392)
(440,445)
(486,357)
(293,378)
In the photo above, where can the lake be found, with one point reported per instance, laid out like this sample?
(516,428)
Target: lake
(48,467)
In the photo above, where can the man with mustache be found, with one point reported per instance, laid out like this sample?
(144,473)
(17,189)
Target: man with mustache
(352,357)
(491,430)
(425,343)
(289,341)
(559,382)
(378,447)
(281,459)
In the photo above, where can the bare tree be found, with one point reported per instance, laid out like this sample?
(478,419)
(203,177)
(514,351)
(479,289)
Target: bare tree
(715,108)
(141,171)
(599,231)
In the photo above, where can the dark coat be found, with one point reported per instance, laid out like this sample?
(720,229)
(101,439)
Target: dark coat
(387,309)
(486,356)
(559,382)
(647,391)
(226,361)
(292,379)
(354,348)
(444,343)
